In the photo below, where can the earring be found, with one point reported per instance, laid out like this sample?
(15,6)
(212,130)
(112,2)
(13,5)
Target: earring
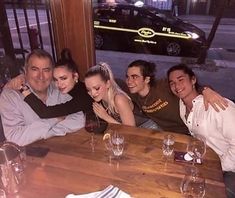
(193,86)
(76,80)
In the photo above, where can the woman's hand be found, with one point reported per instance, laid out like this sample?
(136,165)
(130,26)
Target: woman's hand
(16,83)
(100,111)
(214,99)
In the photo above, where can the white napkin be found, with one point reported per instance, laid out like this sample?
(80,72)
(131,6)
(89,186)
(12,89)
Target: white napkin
(109,192)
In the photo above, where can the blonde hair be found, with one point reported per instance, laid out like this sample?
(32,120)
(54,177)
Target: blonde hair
(105,72)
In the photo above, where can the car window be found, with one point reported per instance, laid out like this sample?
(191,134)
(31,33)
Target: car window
(125,12)
(163,16)
(135,13)
(124,16)
(143,19)
(168,18)
(104,13)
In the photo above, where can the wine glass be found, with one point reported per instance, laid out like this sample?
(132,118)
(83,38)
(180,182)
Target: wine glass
(117,141)
(168,145)
(91,124)
(193,186)
(114,144)
(196,148)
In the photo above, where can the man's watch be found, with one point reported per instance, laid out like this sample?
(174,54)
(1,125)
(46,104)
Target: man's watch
(24,88)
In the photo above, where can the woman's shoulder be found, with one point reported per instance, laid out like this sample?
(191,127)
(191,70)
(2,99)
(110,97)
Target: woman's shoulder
(120,98)
(122,102)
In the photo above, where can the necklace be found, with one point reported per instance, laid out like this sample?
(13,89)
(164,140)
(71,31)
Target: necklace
(144,99)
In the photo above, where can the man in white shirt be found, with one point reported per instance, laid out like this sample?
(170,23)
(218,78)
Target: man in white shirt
(21,124)
(216,128)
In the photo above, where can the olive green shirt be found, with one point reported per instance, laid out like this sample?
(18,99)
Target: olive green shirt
(162,106)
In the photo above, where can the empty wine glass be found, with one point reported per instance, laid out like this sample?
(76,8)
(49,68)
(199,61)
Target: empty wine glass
(196,148)
(168,145)
(193,186)
(92,122)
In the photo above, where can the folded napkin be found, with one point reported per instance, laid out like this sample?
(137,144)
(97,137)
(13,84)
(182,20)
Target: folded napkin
(109,192)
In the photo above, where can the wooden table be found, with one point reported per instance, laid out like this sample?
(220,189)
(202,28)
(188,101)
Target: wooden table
(71,167)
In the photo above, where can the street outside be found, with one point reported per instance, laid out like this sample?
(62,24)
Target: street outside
(223,45)
(220,70)
(32,24)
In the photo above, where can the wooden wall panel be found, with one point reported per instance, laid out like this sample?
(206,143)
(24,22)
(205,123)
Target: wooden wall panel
(73,28)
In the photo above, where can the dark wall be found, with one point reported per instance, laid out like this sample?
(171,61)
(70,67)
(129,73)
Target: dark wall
(229,10)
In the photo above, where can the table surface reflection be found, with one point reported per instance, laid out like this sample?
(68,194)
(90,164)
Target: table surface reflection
(71,167)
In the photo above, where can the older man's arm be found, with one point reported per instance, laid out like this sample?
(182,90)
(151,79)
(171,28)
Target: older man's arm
(22,134)
(71,123)
(21,125)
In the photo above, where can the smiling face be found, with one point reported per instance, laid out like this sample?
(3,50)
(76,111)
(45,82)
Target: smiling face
(64,78)
(182,85)
(96,87)
(38,73)
(136,81)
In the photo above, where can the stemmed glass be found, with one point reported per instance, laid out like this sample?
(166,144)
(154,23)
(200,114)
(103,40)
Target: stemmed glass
(168,145)
(196,148)
(117,141)
(114,143)
(193,186)
(91,124)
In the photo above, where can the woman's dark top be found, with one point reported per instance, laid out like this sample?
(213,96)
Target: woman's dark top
(81,101)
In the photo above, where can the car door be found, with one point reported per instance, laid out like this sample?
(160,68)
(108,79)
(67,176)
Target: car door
(156,33)
(145,39)
(124,22)
(169,36)
(105,25)
(160,27)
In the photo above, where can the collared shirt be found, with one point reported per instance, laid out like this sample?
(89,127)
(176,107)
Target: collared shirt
(218,128)
(23,126)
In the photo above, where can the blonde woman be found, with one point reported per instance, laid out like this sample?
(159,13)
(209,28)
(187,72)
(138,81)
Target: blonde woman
(111,103)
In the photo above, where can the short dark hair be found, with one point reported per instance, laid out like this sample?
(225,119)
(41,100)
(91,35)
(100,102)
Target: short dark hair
(39,53)
(185,69)
(147,69)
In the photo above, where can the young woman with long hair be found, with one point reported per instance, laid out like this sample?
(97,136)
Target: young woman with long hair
(111,103)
